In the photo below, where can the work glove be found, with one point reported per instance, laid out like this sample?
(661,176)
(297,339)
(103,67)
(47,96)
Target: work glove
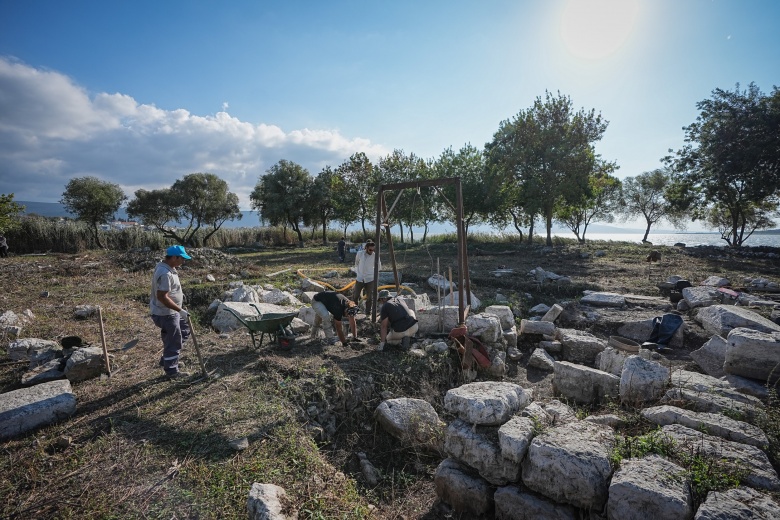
(381,346)
(184,315)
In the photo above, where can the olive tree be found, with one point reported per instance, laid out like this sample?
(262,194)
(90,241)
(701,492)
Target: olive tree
(321,200)
(480,197)
(9,213)
(647,195)
(92,201)
(599,203)
(355,195)
(728,174)
(199,202)
(548,149)
(282,197)
(413,207)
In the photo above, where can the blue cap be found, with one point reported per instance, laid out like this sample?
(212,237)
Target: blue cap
(177,251)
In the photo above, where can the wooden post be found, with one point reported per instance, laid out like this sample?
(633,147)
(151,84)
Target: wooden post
(103,339)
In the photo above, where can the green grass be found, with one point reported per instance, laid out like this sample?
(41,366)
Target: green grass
(704,473)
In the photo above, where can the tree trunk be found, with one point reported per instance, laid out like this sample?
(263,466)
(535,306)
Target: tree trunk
(548,222)
(297,229)
(400,230)
(425,233)
(97,236)
(584,230)
(531,232)
(647,231)
(517,226)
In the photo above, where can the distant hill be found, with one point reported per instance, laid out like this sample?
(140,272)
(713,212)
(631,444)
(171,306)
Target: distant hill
(44,209)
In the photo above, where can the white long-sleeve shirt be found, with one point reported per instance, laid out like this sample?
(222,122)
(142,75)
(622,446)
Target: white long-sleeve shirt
(364,266)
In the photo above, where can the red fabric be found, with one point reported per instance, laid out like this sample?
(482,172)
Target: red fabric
(459,332)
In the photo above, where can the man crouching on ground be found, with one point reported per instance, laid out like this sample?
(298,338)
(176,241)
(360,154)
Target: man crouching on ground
(327,304)
(167,311)
(398,323)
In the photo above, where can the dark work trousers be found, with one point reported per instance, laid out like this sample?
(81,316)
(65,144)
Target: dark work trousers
(174,331)
(369,288)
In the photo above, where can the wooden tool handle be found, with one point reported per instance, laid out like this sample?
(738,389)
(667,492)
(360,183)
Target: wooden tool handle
(103,338)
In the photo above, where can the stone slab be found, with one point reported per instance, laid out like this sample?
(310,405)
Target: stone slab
(29,408)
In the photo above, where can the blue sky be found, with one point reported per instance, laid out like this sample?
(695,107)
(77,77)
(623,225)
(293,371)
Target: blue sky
(141,93)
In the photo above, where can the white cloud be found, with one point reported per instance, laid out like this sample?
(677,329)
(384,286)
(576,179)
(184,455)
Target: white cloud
(52,130)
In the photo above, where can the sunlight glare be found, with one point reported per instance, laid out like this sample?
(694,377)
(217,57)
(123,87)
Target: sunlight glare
(594,29)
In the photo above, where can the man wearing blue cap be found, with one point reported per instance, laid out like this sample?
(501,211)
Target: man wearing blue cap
(166,307)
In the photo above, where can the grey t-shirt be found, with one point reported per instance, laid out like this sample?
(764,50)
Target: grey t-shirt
(165,278)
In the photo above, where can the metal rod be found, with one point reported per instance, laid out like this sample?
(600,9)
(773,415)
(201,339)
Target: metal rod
(452,289)
(466,275)
(392,251)
(461,251)
(377,238)
(438,295)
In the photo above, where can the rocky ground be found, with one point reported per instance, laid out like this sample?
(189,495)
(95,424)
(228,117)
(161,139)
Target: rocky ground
(140,446)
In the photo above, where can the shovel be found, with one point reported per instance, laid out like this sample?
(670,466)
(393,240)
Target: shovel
(127,346)
(130,344)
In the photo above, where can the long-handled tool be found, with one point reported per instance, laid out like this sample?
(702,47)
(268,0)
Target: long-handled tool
(197,348)
(103,338)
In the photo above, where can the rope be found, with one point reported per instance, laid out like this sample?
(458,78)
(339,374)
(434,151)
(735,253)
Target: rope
(351,284)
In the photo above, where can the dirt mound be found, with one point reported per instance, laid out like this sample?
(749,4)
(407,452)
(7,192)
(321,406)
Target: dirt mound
(146,259)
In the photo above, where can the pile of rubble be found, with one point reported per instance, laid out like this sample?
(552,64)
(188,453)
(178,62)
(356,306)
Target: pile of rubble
(508,453)
(145,259)
(52,367)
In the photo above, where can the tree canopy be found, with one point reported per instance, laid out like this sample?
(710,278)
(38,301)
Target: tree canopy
(480,198)
(414,208)
(282,196)
(200,202)
(598,203)
(9,213)
(540,163)
(321,200)
(547,148)
(93,201)
(356,190)
(646,195)
(729,172)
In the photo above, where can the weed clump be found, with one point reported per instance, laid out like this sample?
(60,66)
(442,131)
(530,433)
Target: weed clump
(703,472)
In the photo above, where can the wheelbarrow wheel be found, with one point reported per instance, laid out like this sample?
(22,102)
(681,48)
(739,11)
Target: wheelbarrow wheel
(285,338)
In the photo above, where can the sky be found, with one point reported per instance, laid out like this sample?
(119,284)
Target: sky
(141,93)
